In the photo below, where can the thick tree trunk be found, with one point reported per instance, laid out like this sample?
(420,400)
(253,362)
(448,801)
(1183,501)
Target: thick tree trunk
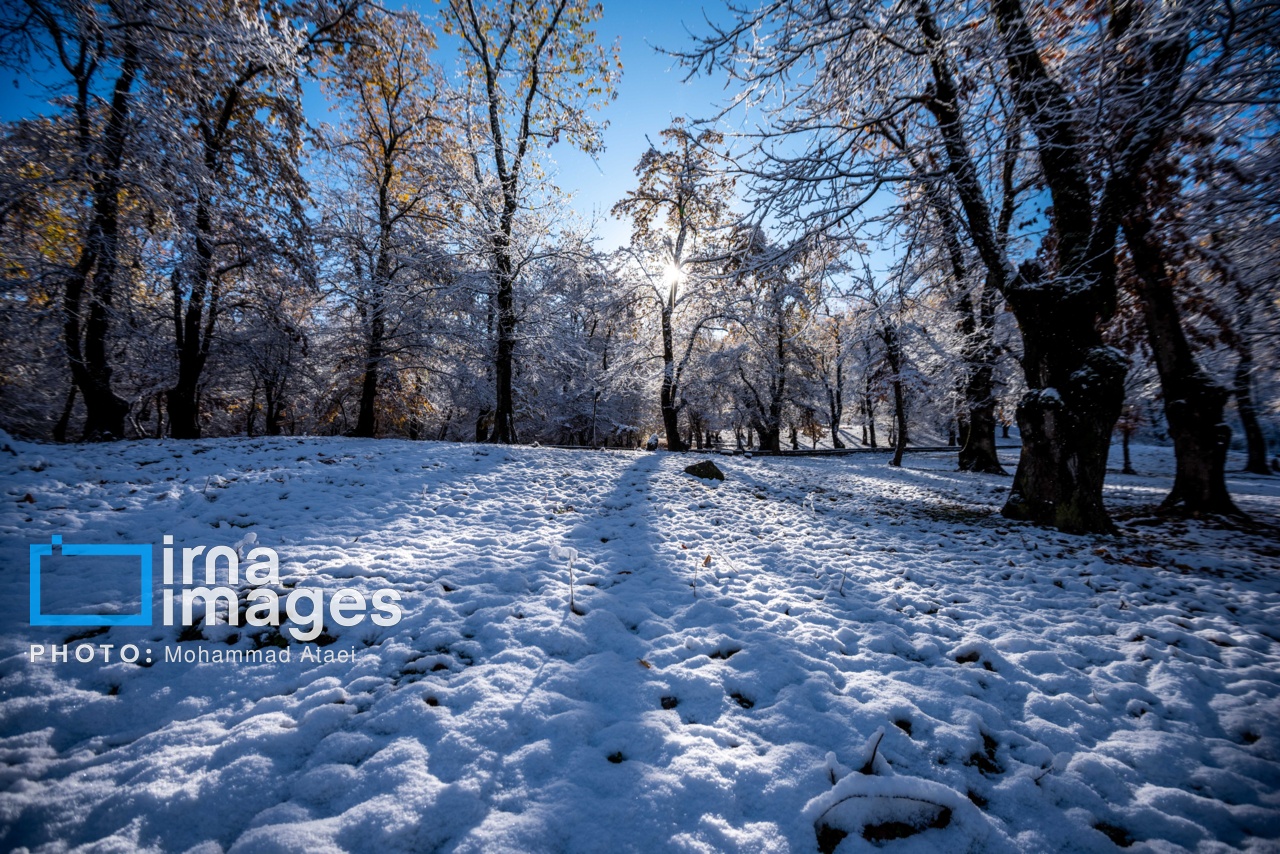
(1076,384)
(1066,418)
(1193,403)
(367,421)
(893,354)
(184,408)
(770,437)
(835,397)
(978,443)
(835,412)
(1255,441)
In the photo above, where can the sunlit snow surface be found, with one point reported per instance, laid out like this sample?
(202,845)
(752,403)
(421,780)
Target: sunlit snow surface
(1054,693)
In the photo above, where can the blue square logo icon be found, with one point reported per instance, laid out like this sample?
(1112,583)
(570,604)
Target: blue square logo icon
(142,551)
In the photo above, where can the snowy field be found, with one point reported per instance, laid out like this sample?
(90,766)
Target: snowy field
(737,652)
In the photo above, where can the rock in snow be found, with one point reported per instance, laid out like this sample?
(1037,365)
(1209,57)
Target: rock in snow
(706,470)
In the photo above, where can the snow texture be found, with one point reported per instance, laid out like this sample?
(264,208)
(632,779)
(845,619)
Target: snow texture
(739,649)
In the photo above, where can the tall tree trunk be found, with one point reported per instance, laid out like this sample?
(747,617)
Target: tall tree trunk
(193,329)
(667,395)
(273,413)
(835,407)
(251,413)
(893,354)
(1075,383)
(85,339)
(1255,441)
(869,417)
(504,427)
(900,419)
(1076,389)
(64,420)
(978,442)
(1193,403)
(366,422)
(976,324)
(1125,436)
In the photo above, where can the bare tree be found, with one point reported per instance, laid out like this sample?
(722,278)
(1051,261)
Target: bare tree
(535,75)
(679,211)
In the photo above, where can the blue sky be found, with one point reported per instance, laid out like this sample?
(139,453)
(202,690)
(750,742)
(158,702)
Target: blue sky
(651,93)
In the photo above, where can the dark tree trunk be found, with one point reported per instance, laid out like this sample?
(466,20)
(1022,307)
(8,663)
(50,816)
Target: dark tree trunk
(193,328)
(1193,403)
(1076,391)
(900,422)
(893,354)
(1075,382)
(770,438)
(184,414)
(504,426)
(976,324)
(375,312)
(1128,463)
(1255,441)
(668,395)
(869,418)
(64,420)
(978,442)
(251,413)
(274,409)
(85,339)
(835,406)
(366,422)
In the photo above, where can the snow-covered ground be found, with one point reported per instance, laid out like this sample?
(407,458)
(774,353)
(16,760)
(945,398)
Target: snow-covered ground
(740,650)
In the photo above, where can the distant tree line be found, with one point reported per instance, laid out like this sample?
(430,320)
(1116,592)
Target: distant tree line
(945,220)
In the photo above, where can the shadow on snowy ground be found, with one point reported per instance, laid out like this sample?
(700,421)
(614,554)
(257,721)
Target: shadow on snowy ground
(1046,688)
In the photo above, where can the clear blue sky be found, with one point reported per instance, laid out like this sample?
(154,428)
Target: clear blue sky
(651,93)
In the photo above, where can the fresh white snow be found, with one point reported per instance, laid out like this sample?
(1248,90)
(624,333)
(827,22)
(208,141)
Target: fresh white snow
(744,651)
